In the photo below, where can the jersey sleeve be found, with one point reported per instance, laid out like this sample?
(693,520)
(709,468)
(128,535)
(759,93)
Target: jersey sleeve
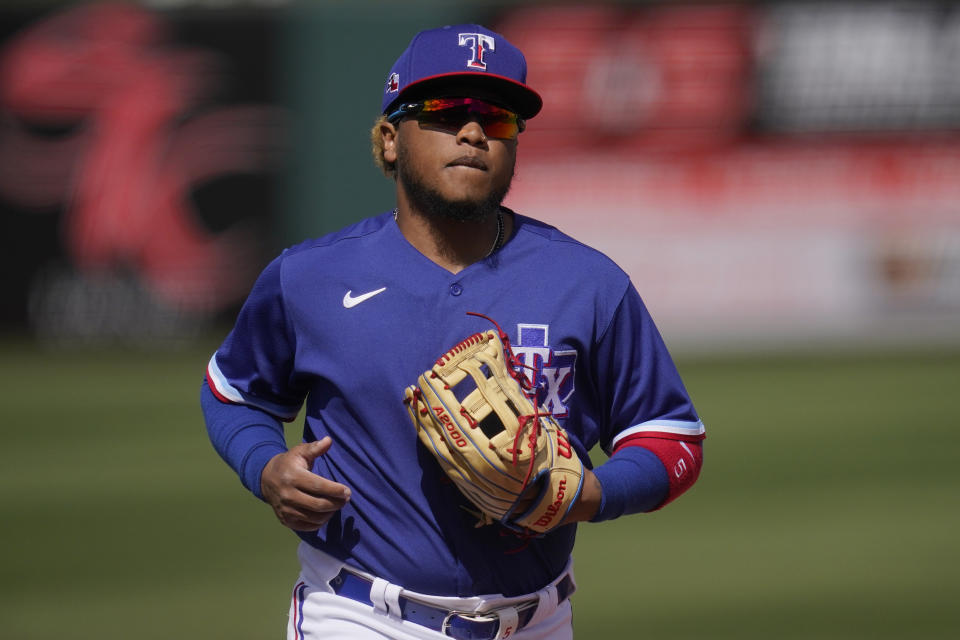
(651,424)
(255,365)
(641,386)
(245,437)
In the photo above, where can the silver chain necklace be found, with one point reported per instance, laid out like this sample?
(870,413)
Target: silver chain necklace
(498,241)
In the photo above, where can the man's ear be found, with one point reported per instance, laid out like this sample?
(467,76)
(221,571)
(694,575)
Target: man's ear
(389,133)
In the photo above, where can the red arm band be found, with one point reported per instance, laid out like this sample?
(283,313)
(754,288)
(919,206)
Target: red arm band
(683,460)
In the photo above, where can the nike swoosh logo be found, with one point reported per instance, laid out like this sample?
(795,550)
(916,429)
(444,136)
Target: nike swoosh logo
(350,301)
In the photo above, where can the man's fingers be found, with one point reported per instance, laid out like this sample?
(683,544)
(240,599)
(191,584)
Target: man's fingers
(292,471)
(305,492)
(306,502)
(303,512)
(311,483)
(321,487)
(310,451)
(301,499)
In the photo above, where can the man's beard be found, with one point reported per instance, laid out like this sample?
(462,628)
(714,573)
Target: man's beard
(434,205)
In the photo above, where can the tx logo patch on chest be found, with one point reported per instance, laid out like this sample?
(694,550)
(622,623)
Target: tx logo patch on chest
(551,371)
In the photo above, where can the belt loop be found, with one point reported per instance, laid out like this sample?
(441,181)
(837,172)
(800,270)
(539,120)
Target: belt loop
(378,595)
(386,598)
(392,595)
(509,621)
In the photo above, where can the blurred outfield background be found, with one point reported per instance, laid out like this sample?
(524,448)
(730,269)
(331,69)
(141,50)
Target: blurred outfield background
(827,508)
(780,179)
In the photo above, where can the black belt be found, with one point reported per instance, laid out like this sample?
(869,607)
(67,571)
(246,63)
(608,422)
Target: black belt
(462,625)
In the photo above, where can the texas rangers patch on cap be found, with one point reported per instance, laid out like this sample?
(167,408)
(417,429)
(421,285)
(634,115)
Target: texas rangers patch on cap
(466,54)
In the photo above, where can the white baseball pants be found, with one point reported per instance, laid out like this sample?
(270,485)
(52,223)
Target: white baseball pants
(316,612)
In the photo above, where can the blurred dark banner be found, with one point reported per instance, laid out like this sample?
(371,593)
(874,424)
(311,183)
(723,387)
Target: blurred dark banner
(139,162)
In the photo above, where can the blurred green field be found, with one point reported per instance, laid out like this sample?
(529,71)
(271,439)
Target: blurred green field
(828,508)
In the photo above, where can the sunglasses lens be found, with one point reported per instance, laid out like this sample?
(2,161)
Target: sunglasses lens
(450,114)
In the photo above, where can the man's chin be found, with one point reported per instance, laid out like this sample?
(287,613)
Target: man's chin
(466,210)
(464,207)
(438,207)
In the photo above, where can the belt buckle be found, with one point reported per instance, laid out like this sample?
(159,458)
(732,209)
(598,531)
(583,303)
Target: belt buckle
(471,617)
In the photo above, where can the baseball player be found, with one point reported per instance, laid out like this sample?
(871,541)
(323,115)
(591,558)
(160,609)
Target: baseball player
(341,328)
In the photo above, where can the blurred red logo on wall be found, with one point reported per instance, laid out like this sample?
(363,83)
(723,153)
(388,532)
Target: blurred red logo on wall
(140,135)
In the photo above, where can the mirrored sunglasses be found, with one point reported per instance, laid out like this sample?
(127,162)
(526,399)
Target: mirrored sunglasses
(450,114)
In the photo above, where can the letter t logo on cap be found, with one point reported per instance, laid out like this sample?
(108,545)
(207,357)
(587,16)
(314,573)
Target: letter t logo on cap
(479,44)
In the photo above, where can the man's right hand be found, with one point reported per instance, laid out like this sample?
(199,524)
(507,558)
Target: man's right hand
(302,500)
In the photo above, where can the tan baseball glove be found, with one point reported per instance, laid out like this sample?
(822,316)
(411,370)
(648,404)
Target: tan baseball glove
(477,414)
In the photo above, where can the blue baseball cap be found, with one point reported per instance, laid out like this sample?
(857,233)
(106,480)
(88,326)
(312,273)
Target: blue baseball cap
(458,56)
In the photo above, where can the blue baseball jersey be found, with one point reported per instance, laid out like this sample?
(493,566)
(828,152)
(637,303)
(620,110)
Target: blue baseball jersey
(346,322)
